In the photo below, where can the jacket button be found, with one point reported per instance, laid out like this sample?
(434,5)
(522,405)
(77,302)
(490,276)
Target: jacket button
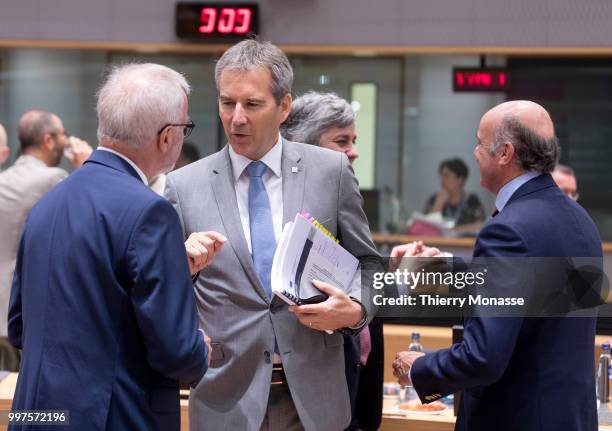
(267,357)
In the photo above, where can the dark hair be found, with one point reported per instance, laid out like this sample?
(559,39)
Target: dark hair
(33,125)
(456,166)
(533,152)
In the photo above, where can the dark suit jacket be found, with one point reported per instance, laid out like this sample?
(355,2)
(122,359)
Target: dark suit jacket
(365,383)
(523,373)
(102,304)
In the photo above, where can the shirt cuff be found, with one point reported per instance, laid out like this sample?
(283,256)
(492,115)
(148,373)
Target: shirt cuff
(364,318)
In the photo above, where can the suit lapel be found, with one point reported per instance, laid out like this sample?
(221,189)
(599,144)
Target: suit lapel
(225,195)
(294,175)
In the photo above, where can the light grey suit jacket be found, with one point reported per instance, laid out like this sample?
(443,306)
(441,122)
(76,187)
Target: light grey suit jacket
(235,310)
(21,186)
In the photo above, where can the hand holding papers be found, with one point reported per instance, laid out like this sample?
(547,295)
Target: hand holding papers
(307,252)
(337,311)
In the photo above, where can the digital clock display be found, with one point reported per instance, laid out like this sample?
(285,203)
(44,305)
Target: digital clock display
(480,79)
(216,22)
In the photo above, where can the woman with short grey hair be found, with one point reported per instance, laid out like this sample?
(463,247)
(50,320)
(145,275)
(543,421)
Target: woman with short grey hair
(322,119)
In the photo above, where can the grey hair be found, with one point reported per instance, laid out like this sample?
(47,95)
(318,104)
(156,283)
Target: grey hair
(313,114)
(33,125)
(252,54)
(137,100)
(533,152)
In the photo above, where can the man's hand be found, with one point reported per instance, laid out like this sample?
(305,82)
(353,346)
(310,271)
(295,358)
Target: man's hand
(402,364)
(201,248)
(77,151)
(412,249)
(337,311)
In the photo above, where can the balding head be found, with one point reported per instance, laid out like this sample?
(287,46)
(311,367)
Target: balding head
(42,135)
(529,114)
(33,125)
(528,127)
(515,137)
(4,149)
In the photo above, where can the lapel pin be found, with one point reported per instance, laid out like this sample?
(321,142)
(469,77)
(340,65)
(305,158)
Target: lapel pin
(294,169)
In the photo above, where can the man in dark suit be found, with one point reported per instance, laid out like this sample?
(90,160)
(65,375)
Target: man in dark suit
(519,372)
(102,302)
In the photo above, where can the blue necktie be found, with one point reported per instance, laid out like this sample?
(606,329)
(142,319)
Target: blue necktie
(263,243)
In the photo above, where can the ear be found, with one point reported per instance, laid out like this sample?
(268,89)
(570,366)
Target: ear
(285,106)
(163,140)
(47,142)
(506,154)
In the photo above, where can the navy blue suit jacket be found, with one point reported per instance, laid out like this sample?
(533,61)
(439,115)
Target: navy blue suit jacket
(102,304)
(523,373)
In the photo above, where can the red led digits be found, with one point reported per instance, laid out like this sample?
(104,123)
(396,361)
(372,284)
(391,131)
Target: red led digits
(217,21)
(229,20)
(474,79)
(208,18)
(459,79)
(226,20)
(243,21)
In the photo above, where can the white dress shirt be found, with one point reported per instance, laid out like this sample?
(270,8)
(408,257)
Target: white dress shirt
(141,174)
(273,182)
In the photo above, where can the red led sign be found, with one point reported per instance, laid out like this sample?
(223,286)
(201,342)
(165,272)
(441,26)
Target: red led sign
(480,79)
(216,21)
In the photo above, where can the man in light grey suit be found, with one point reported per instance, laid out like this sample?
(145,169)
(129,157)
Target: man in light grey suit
(42,138)
(273,367)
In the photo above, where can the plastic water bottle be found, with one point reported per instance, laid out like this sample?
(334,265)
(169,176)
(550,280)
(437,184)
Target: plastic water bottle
(603,374)
(416,346)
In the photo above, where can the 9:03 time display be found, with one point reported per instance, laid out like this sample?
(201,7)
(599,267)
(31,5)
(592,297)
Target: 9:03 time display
(216,22)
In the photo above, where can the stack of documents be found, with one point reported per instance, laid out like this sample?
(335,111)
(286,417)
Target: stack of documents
(306,251)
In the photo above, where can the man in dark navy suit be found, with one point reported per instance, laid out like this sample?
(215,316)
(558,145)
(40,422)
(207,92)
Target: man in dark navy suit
(519,373)
(102,302)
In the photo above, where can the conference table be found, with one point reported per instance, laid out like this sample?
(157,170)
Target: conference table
(397,337)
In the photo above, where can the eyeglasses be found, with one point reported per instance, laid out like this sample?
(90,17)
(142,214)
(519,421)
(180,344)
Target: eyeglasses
(188,128)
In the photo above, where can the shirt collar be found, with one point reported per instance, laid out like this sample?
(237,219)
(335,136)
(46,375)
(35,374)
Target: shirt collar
(506,192)
(141,174)
(272,160)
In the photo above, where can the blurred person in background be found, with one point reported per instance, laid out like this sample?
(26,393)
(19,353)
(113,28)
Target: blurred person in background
(322,119)
(465,209)
(43,142)
(565,178)
(327,120)
(5,151)
(189,154)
